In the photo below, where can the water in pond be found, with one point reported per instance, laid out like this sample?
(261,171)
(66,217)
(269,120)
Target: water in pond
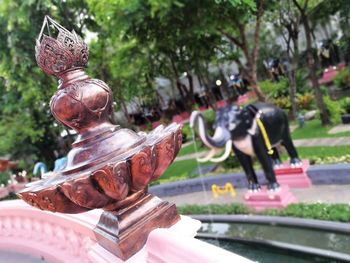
(320,239)
(263,254)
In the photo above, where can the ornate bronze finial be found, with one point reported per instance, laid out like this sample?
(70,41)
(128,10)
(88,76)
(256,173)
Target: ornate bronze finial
(57,50)
(108,167)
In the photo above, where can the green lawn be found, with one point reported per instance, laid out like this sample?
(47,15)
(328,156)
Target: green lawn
(323,151)
(181,170)
(314,129)
(189,149)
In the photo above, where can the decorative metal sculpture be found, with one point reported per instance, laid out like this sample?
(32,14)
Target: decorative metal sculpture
(108,167)
(253,130)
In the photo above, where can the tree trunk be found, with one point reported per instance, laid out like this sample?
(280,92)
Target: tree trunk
(253,83)
(292,77)
(313,76)
(253,61)
(292,92)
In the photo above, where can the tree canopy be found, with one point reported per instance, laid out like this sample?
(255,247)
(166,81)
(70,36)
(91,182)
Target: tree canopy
(131,44)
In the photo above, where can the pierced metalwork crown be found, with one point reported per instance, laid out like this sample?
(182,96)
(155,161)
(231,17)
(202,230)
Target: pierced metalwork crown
(58,50)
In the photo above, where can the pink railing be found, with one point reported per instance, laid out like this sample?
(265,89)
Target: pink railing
(65,238)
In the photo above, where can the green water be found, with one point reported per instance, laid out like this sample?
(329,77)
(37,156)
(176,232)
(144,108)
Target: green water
(299,236)
(263,254)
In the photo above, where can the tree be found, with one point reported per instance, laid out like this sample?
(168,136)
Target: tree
(287,22)
(249,13)
(304,7)
(27,129)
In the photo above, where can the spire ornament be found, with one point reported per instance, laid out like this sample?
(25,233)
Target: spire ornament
(57,50)
(108,167)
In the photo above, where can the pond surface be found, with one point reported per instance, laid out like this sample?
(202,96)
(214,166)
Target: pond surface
(244,235)
(264,254)
(320,239)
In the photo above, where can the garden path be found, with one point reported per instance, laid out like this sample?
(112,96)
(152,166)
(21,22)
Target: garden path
(316,193)
(339,128)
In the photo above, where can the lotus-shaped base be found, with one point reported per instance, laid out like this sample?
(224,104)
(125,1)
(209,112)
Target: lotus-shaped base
(108,169)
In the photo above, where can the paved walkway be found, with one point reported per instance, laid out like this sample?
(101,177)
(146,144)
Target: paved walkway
(316,193)
(339,128)
(339,141)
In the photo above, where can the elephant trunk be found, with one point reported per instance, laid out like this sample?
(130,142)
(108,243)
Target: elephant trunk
(221,135)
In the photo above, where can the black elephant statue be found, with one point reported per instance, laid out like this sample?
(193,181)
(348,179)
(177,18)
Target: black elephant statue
(255,130)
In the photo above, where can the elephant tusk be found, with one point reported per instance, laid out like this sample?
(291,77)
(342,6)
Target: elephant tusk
(228,148)
(208,157)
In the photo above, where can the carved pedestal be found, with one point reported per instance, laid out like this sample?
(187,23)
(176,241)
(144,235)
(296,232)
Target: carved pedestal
(294,177)
(124,232)
(265,199)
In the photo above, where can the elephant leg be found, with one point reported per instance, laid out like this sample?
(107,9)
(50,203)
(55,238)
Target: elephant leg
(276,158)
(247,164)
(265,160)
(292,152)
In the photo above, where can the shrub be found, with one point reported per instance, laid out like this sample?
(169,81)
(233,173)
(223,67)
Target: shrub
(329,159)
(320,211)
(334,109)
(4,177)
(345,105)
(274,89)
(342,79)
(209,116)
(231,162)
(186,133)
(305,101)
(283,103)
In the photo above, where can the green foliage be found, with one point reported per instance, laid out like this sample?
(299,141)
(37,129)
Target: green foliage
(305,101)
(283,103)
(231,162)
(27,129)
(331,212)
(274,89)
(345,105)
(342,79)
(4,177)
(334,109)
(186,133)
(302,84)
(330,159)
(209,116)
(214,209)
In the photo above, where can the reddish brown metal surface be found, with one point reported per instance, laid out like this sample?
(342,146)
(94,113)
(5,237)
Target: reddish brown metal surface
(108,167)
(125,232)
(107,164)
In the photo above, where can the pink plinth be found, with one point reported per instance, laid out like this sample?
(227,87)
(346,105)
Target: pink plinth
(294,177)
(265,199)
